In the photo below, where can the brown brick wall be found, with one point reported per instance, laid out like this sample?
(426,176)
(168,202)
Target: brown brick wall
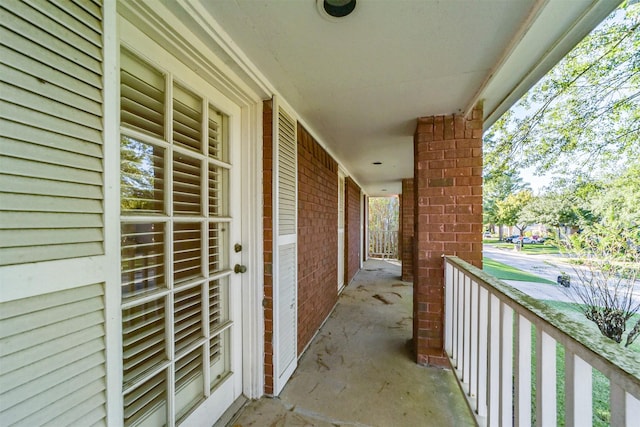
(352,229)
(448,217)
(317,236)
(267,162)
(406,229)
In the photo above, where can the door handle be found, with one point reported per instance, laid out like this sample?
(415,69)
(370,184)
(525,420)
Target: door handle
(239,268)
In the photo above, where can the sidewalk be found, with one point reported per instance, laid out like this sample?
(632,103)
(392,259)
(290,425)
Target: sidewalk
(359,371)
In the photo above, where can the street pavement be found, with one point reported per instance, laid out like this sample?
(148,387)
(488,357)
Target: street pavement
(547,266)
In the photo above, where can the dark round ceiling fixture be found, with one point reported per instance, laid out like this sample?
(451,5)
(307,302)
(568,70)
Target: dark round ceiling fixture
(336,8)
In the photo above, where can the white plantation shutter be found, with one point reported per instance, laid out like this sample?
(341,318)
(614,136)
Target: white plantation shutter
(287,350)
(53,359)
(50,131)
(285,251)
(287,174)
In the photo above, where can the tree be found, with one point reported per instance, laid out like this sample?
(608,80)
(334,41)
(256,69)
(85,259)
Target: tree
(510,209)
(496,188)
(617,200)
(384,213)
(563,204)
(140,179)
(584,115)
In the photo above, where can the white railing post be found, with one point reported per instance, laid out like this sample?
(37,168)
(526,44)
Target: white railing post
(473,346)
(460,321)
(617,405)
(578,390)
(493,383)
(545,379)
(448,309)
(625,408)
(522,371)
(506,366)
(466,352)
(483,352)
(454,318)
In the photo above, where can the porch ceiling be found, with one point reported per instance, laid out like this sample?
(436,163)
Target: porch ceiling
(360,83)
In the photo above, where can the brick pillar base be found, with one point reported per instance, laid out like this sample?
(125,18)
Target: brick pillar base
(448,218)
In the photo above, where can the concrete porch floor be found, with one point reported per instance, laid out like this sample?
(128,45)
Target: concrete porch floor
(359,371)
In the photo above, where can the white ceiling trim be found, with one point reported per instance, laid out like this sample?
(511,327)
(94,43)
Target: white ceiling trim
(534,13)
(588,20)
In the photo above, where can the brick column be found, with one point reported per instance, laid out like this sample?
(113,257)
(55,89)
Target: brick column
(448,218)
(406,232)
(267,191)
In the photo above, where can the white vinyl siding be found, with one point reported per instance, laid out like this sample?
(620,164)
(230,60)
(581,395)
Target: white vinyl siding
(285,250)
(50,131)
(53,359)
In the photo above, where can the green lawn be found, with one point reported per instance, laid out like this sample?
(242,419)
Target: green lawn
(506,272)
(529,249)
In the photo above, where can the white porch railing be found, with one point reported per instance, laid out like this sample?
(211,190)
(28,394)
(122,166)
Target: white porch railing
(488,338)
(383,244)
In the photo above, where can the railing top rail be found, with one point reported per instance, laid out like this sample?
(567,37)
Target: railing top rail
(616,362)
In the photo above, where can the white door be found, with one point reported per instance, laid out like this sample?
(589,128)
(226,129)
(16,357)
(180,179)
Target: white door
(285,251)
(181,299)
(341,221)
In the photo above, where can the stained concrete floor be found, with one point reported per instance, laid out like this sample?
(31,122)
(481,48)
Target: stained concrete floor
(359,371)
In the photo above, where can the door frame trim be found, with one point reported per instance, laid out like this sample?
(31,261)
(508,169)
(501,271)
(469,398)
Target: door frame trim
(169,30)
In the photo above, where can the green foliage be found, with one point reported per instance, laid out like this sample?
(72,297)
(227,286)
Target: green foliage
(497,187)
(510,209)
(140,186)
(384,213)
(584,115)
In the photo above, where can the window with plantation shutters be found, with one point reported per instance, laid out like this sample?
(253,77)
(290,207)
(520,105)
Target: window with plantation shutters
(285,250)
(50,131)
(174,244)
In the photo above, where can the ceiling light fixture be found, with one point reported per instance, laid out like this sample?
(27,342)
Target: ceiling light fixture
(332,9)
(377,163)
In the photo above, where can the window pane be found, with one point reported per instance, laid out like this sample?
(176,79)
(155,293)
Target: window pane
(218,247)
(186,185)
(141,178)
(187,317)
(147,403)
(218,191)
(187,252)
(141,96)
(218,303)
(219,363)
(217,135)
(187,119)
(142,262)
(189,381)
(143,340)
